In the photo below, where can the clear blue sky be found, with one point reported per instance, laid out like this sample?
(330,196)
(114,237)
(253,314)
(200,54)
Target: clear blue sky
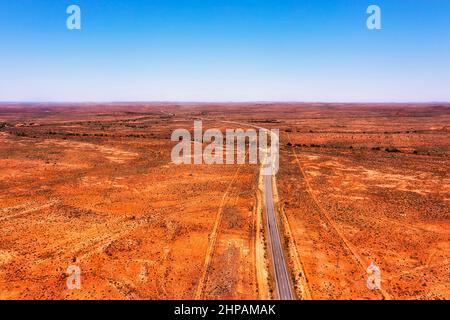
(224,50)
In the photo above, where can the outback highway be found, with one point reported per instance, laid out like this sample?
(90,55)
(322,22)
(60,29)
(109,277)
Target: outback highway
(282,279)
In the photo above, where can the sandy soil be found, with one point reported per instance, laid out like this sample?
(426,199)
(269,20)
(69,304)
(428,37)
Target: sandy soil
(93,186)
(100,192)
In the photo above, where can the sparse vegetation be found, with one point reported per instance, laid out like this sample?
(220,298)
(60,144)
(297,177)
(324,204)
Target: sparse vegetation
(392,150)
(96,186)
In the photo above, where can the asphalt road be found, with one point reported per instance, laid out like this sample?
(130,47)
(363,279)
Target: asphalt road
(282,279)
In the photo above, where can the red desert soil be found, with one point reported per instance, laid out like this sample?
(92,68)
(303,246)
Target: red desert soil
(94,186)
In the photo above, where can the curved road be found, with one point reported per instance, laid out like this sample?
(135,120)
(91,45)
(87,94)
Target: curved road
(282,279)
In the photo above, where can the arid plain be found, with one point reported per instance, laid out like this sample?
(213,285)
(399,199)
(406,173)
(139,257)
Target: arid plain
(93,185)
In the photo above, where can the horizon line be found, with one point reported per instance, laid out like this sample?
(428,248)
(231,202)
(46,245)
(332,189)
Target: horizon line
(222,102)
